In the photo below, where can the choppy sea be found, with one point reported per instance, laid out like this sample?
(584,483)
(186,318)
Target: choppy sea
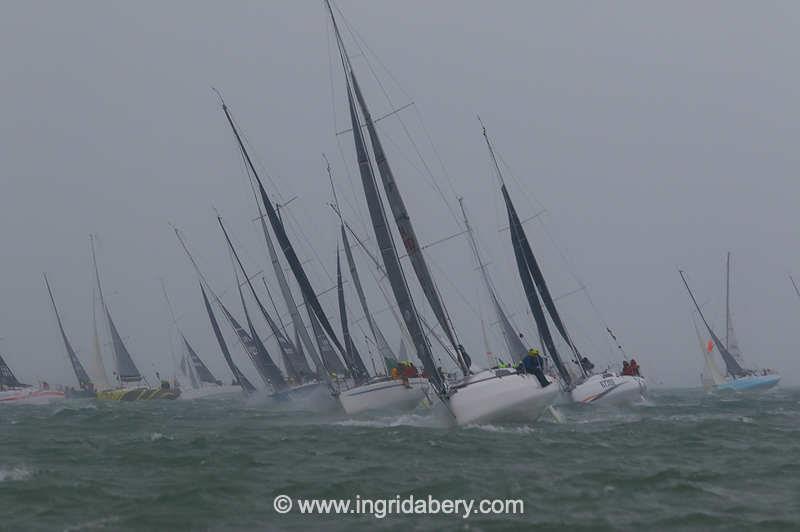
(683,461)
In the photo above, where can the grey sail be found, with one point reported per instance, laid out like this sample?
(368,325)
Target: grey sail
(404,226)
(516,349)
(380,341)
(200,369)
(309,296)
(98,368)
(258,352)
(518,241)
(383,235)
(330,359)
(126,369)
(80,373)
(186,369)
(732,366)
(354,362)
(7,377)
(299,359)
(288,352)
(241,380)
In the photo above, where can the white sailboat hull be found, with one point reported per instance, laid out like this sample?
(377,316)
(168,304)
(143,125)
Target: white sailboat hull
(609,388)
(751,383)
(211,392)
(384,395)
(30,396)
(501,396)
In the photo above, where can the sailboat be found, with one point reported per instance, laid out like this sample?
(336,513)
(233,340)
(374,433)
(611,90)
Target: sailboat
(587,387)
(382,392)
(128,377)
(12,391)
(485,396)
(298,381)
(737,378)
(196,381)
(85,385)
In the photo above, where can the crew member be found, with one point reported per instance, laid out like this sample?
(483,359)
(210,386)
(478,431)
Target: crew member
(533,364)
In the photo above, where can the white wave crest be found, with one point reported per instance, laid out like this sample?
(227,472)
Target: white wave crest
(15,473)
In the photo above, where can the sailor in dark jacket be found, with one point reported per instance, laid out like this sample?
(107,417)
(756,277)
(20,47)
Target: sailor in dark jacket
(534,365)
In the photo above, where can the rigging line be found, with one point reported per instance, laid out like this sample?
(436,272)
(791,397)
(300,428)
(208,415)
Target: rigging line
(376,120)
(358,40)
(796,290)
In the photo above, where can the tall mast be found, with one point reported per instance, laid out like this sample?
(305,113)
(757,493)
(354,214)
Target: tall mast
(396,202)
(289,253)
(533,282)
(383,234)
(728,301)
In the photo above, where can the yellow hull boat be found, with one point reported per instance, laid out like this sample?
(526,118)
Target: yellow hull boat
(138,394)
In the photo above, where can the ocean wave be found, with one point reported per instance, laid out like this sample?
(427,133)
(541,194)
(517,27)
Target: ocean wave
(15,473)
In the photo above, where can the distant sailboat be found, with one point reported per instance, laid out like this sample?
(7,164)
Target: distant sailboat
(127,374)
(737,378)
(84,383)
(12,391)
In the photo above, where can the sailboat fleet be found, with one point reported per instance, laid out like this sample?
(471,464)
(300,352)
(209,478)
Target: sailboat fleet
(313,359)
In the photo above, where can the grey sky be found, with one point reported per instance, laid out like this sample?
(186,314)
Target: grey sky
(655,135)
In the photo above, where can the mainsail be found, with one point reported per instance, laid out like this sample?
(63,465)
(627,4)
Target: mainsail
(241,380)
(383,235)
(7,377)
(80,373)
(516,349)
(732,365)
(354,362)
(330,359)
(309,296)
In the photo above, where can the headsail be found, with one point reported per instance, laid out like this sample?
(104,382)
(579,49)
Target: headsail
(732,365)
(7,377)
(246,385)
(80,373)
(330,359)
(126,369)
(200,369)
(353,358)
(516,349)
(256,349)
(383,235)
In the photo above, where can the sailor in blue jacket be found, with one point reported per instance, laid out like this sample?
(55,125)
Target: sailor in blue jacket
(534,365)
